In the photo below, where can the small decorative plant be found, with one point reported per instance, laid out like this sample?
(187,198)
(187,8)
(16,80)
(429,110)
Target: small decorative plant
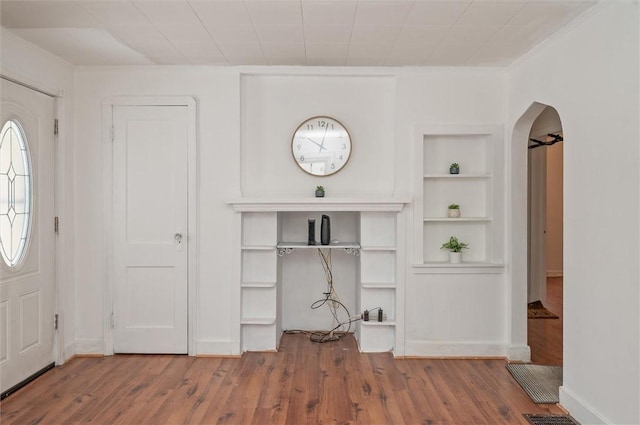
(454,168)
(319,192)
(454,245)
(454,211)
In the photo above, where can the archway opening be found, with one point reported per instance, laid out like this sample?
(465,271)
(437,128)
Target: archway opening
(544,236)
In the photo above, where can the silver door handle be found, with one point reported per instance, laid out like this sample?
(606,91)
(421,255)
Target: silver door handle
(178,237)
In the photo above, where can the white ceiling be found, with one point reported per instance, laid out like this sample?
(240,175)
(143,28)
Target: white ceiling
(290,32)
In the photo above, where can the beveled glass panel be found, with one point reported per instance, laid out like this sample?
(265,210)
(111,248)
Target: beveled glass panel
(15,193)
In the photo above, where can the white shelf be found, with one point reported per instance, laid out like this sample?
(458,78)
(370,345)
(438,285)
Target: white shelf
(376,323)
(258,321)
(459,219)
(304,245)
(469,267)
(457,176)
(378,248)
(259,285)
(373,285)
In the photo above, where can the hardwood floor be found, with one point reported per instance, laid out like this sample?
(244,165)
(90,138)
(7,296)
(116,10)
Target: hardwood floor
(303,383)
(545,335)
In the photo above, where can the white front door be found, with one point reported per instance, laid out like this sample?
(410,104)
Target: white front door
(27,245)
(150,229)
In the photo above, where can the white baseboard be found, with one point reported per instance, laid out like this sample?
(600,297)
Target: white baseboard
(454,349)
(89,346)
(579,409)
(217,348)
(554,273)
(520,353)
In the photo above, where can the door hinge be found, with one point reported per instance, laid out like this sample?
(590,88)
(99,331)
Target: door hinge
(55,322)
(56,225)
(55,127)
(113,320)
(113,136)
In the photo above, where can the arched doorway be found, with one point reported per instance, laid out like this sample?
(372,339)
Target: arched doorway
(519,218)
(545,212)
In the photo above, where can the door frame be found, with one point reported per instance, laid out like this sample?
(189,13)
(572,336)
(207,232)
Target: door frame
(192,216)
(62,244)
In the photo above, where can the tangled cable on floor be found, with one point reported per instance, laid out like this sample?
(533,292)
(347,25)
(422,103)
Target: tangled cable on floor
(332,301)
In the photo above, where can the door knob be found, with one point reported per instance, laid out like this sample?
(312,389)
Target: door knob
(178,237)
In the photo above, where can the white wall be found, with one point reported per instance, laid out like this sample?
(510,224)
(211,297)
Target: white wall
(218,130)
(245,121)
(590,75)
(29,64)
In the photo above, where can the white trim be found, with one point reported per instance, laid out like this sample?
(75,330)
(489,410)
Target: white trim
(455,349)
(217,348)
(520,353)
(89,346)
(579,409)
(318,204)
(192,208)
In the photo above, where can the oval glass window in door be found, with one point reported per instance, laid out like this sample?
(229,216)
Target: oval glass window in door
(15,193)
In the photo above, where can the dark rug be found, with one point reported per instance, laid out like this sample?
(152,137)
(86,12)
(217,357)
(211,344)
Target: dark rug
(535,310)
(550,420)
(541,383)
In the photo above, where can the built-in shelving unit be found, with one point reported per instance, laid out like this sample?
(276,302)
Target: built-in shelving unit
(477,149)
(379,280)
(258,313)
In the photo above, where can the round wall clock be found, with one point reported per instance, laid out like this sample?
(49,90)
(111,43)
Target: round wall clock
(321,146)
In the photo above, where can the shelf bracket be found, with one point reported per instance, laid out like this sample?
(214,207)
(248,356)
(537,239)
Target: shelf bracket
(354,251)
(282,251)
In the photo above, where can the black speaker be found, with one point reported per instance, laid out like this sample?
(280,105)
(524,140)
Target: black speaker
(312,232)
(325,230)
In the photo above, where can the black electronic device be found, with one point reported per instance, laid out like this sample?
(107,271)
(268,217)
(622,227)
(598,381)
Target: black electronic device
(312,232)
(325,230)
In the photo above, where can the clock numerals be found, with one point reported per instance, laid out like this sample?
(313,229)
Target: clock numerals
(299,146)
(333,165)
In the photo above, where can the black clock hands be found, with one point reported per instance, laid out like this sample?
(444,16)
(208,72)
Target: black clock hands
(326,127)
(321,146)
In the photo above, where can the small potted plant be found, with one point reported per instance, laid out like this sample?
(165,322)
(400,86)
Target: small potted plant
(454,168)
(454,211)
(319,192)
(455,248)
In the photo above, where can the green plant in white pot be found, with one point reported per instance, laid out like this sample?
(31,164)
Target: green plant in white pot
(454,211)
(455,248)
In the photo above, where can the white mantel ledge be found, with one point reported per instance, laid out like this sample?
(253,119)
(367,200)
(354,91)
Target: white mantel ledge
(318,204)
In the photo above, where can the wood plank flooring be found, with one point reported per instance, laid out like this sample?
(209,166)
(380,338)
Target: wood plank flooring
(545,335)
(303,383)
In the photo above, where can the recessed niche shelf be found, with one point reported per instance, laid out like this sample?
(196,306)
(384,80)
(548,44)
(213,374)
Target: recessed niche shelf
(478,151)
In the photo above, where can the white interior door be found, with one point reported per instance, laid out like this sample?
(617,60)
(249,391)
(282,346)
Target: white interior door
(537,279)
(150,229)
(27,284)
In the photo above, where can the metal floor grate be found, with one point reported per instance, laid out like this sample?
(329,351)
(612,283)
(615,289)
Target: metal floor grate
(541,383)
(551,420)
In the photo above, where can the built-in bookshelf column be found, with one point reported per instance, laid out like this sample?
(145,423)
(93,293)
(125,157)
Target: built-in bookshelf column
(378,281)
(259,281)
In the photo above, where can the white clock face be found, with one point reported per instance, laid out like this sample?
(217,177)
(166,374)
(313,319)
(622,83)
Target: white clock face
(321,146)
